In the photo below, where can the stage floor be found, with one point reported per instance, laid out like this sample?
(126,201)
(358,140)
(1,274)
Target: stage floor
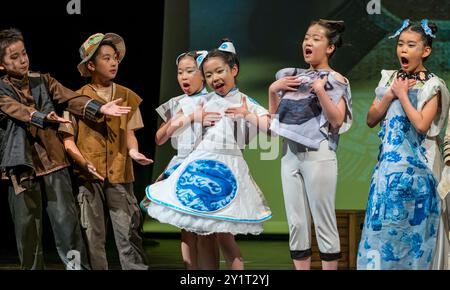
(163,252)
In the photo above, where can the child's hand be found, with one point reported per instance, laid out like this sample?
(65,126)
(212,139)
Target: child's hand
(139,157)
(401,86)
(206,118)
(54,118)
(290,83)
(239,112)
(114,109)
(89,167)
(319,85)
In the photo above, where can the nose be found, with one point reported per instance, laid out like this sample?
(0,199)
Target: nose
(23,59)
(184,75)
(306,43)
(215,78)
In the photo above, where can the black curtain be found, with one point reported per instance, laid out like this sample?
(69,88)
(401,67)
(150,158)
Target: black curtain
(52,38)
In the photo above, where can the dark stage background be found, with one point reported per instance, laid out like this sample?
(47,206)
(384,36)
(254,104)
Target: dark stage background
(52,38)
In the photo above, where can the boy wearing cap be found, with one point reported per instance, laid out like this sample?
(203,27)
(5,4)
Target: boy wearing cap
(32,157)
(103,152)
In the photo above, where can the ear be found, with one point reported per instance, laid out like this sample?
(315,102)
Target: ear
(2,67)
(234,70)
(426,52)
(330,49)
(90,66)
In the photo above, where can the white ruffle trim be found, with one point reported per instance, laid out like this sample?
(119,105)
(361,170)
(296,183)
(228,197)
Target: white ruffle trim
(201,225)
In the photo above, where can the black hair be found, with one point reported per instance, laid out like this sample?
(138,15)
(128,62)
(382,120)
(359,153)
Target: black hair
(194,54)
(8,37)
(229,58)
(427,39)
(103,43)
(334,30)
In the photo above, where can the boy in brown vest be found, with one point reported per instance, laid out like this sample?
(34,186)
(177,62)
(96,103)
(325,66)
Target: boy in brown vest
(103,152)
(32,157)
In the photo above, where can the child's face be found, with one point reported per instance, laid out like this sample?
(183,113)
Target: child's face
(106,63)
(189,77)
(316,47)
(411,50)
(219,75)
(15,62)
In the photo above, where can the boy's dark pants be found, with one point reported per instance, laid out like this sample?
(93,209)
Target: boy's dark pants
(97,201)
(26,211)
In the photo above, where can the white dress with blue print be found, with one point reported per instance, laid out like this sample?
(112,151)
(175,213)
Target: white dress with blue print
(185,141)
(403,209)
(212,190)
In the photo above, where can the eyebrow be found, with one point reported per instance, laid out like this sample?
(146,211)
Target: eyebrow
(315,34)
(409,41)
(189,67)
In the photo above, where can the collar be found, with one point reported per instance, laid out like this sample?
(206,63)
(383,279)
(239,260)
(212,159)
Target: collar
(418,76)
(19,83)
(232,92)
(201,93)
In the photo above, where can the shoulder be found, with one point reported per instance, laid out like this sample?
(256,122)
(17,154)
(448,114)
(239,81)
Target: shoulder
(84,89)
(340,78)
(126,92)
(123,89)
(387,73)
(252,101)
(386,77)
(46,76)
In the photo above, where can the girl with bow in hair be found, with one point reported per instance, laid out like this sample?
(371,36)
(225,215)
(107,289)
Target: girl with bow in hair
(403,210)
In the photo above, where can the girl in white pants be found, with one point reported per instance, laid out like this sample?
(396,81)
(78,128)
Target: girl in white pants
(312,106)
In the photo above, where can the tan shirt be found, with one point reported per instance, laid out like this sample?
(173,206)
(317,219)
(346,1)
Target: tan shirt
(104,143)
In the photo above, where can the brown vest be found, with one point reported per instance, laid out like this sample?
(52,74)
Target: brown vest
(104,142)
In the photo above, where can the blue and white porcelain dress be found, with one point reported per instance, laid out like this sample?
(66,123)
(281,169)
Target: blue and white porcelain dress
(212,190)
(403,209)
(185,141)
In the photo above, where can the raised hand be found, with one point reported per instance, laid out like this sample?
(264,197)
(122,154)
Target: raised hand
(289,83)
(113,108)
(206,118)
(401,86)
(239,112)
(319,84)
(54,118)
(139,157)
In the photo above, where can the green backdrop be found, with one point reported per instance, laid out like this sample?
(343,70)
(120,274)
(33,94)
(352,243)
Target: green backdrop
(267,37)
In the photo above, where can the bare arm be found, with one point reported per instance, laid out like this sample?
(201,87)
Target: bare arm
(335,114)
(261,122)
(75,154)
(421,120)
(133,149)
(379,108)
(289,83)
(161,136)
(177,124)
